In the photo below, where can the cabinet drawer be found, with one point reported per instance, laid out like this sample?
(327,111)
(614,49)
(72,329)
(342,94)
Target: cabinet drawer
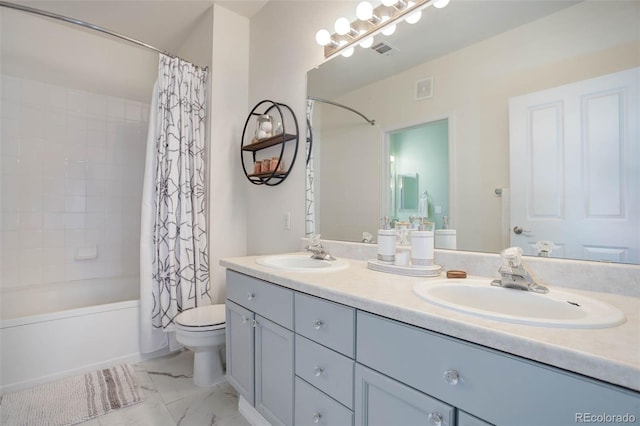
(496,387)
(382,401)
(325,369)
(315,408)
(327,323)
(269,300)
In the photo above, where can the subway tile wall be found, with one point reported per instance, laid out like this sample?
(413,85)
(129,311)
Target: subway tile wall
(72,165)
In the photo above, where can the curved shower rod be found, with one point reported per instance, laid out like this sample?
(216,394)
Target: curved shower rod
(372,122)
(84,24)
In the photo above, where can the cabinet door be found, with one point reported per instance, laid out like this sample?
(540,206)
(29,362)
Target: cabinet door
(274,372)
(240,347)
(381,401)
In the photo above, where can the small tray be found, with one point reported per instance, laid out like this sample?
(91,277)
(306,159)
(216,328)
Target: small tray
(414,271)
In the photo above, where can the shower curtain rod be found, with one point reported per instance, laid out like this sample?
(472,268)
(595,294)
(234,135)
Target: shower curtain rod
(86,25)
(312,98)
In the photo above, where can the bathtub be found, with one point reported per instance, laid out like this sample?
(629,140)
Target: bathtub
(55,330)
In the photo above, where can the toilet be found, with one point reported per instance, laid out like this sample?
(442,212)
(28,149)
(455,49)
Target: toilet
(202,330)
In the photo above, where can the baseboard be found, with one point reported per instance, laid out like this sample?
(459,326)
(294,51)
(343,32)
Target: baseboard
(14,387)
(251,414)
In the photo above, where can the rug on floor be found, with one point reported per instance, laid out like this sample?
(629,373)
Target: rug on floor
(72,400)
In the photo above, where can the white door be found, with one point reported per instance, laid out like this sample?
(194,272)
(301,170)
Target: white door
(575,179)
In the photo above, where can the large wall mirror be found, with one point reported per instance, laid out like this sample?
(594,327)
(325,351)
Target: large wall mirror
(536,105)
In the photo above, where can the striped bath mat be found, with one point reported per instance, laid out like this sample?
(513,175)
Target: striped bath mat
(72,400)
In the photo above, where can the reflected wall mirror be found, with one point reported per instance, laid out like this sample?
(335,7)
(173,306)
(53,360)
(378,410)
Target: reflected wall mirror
(507,78)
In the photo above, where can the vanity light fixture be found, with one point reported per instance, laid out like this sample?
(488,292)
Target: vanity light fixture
(370,22)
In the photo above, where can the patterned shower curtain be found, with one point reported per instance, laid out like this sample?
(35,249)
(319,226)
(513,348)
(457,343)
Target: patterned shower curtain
(174,264)
(310,214)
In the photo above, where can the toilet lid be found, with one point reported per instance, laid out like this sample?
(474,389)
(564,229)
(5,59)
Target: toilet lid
(202,316)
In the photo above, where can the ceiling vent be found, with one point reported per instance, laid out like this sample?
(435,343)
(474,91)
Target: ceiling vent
(384,49)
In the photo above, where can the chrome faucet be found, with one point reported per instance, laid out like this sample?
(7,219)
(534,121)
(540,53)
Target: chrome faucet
(317,250)
(514,275)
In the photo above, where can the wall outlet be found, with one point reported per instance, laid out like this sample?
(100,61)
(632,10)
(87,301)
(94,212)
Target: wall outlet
(437,209)
(286,221)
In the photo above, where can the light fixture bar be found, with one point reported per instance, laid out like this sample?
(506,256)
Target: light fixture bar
(369,29)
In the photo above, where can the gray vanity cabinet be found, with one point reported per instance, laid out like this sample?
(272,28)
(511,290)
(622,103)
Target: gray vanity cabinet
(260,345)
(493,386)
(332,364)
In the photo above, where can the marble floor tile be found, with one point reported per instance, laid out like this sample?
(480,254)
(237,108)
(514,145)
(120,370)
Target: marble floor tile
(172,399)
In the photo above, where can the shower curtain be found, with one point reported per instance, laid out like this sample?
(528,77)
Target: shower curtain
(174,264)
(310,215)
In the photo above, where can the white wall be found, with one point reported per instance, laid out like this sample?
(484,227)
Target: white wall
(41,49)
(283,49)
(228,109)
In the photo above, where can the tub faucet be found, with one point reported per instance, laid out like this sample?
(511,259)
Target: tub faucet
(317,250)
(514,275)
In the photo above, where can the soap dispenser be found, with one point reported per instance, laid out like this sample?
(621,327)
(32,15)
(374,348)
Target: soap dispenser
(422,244)
(386,242)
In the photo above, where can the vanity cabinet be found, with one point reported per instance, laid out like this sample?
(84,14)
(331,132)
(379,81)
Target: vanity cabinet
(493,386)
(332,364)
(260,345)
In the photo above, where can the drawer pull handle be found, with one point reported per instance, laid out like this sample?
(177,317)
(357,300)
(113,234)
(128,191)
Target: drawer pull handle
(318,371)
(435,419)
(451,377)
(254,323)
(317,417)
(250,296)
(318,324)
(244,319)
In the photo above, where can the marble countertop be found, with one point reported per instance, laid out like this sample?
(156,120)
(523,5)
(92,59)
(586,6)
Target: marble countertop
(609,354)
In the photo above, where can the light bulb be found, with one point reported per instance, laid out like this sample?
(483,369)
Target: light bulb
(323,37)
(415,16)
(389,3)
(441,3)
(342,26)
(367,42)
(364,11)
(347,52)
(389,29)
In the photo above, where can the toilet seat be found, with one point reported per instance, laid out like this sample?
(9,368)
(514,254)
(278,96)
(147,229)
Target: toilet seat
(202,318)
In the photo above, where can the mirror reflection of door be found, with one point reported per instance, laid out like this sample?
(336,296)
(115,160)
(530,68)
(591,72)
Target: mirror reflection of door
(417,159)
(574,175)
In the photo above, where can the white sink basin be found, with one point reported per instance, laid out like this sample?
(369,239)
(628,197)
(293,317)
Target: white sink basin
(555,309)
(301,263)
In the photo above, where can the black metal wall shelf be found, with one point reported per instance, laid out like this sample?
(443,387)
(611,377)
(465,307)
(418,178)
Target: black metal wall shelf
(250,147)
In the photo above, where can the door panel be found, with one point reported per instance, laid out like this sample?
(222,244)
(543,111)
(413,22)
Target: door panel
(274,372)
(240,346)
